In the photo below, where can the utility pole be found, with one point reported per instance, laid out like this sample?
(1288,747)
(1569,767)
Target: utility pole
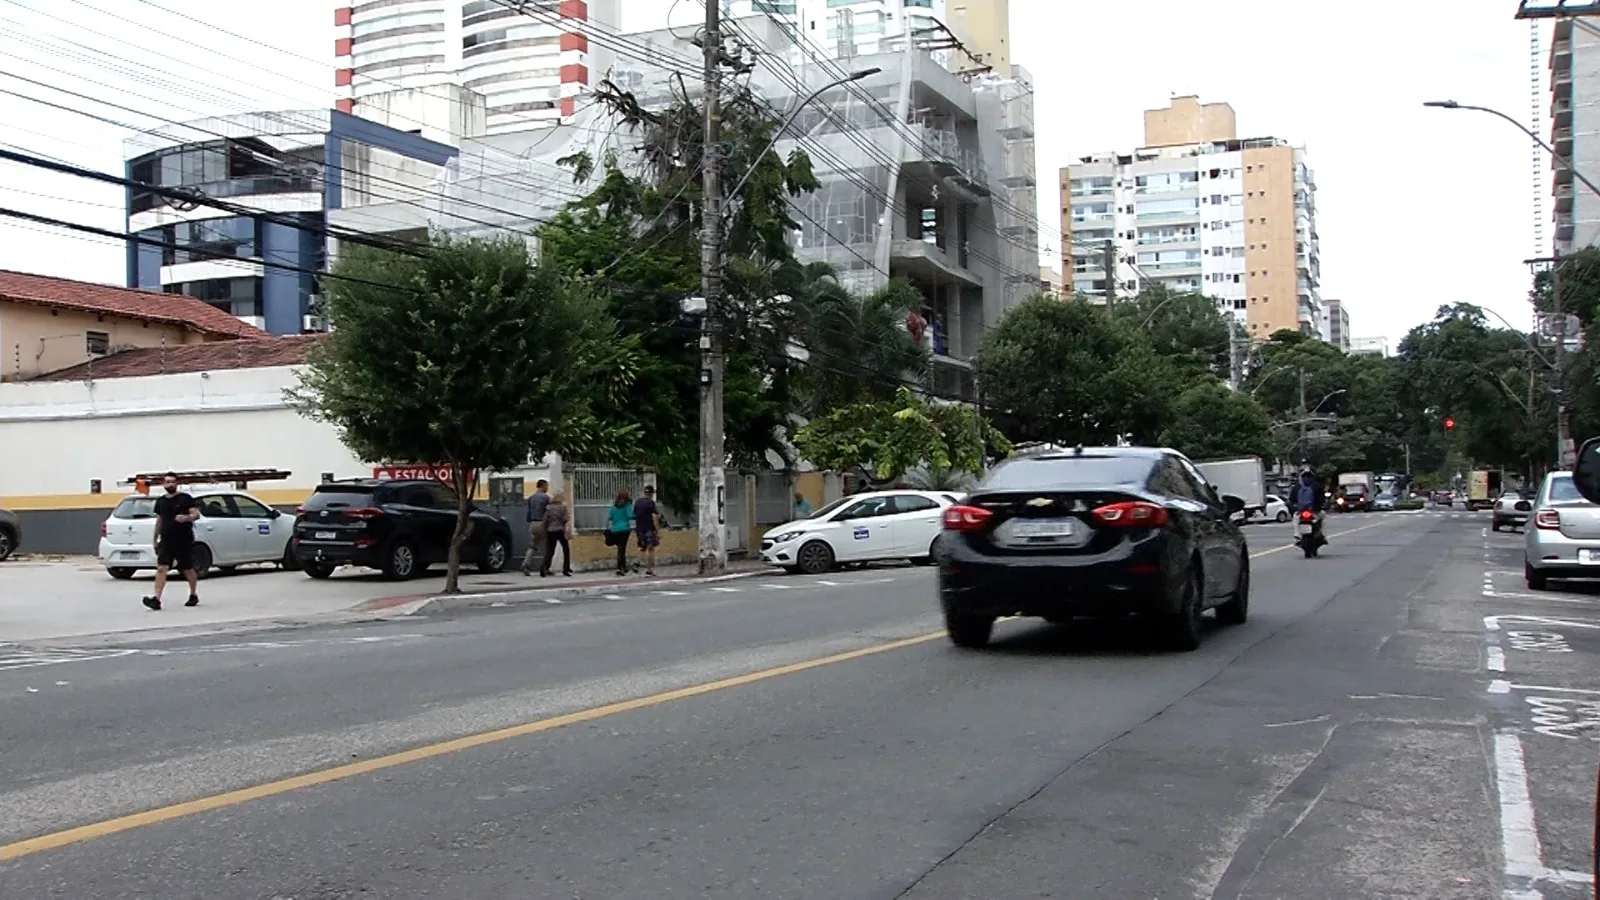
(1108,255)
(713,545)
(1565,457)
(1301,447)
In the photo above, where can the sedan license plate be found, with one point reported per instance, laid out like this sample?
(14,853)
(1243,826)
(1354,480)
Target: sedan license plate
(324,536)
(127,554)
(1589,556)
(1038,531)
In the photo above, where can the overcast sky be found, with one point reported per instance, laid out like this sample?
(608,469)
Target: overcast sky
(1416,207)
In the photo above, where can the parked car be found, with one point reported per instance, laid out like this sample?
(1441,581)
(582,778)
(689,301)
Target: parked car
(1106,531)
(234,529)
(400,527)
(10,533)
(1512,508)
(1275,509)
(1384,502)
(1564,541)
(877,525)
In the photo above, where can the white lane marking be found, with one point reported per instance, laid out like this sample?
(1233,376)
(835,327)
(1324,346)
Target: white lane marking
(726,590)
(672,593)
(828,583)
(1519,833)
(1495,659)
(778,587)
(1502,686)
(611,596)
(1492,623)
(1321,718)
(1394,697)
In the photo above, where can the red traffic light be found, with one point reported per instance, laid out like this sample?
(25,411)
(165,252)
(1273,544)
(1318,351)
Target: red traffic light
(1449,423)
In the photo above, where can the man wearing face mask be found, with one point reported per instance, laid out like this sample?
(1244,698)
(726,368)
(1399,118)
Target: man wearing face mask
(176,513)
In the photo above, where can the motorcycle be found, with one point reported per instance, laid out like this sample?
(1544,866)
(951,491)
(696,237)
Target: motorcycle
(1308,533)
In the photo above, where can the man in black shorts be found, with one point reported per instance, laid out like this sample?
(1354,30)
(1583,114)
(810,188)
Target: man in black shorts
(176,513)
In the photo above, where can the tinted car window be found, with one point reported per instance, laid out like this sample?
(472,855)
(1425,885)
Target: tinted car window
(829,508)
(217,506)
(136,508)
(444,496)
(866,509)
(1031,473)
(1196,482)
(912,503)
(249,509)
(342,497)
(416,495)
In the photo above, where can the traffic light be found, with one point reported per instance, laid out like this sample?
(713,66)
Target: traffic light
(1449,423)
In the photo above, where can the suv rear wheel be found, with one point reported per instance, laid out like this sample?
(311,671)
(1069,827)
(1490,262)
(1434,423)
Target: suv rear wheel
(971,632)
(401,563)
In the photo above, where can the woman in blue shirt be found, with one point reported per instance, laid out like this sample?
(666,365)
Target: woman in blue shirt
(619,519)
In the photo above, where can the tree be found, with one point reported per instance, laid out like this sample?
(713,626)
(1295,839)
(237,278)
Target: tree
(1068,373)
(887,439)
(467,355)
(1209,421)
(1186,328)
(858,347)
(635,236)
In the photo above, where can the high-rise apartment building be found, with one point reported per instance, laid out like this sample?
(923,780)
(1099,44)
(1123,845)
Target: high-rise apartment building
(848,28)
(531,64)
(1338,323)
(1198,209)
(1575,132)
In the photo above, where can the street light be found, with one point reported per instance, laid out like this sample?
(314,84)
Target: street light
(1562,160)
(852,77)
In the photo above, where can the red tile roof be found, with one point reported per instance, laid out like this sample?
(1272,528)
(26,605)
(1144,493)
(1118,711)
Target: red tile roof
(256,353)
(104,299)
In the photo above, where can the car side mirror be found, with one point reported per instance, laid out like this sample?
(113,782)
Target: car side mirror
(1234,504)
(1586,473)
(274,513)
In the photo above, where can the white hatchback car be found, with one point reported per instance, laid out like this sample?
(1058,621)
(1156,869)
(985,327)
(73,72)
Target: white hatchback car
(861,528)
(1273,509)
(234,529)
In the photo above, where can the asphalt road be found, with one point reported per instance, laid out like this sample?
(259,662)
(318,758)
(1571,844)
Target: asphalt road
(801,737)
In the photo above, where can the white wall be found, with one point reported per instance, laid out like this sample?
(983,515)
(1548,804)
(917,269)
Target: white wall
(57,436)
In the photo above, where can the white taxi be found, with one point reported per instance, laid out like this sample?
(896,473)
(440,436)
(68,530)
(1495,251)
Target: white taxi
(879,525)
(234,529)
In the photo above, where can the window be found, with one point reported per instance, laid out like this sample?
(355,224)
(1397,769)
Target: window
(417,495)
(444,496)
(97,343)
(250,509)
(1216,199)
(908,503)
(217,506)
(866,509)
(235,296)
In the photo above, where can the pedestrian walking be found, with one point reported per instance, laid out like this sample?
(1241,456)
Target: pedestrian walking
(619,525)
(647,522)
(176,513)
(558,530)
(802,506)
(536,532)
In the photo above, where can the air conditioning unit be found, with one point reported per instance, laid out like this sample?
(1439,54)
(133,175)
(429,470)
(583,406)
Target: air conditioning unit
(313,323)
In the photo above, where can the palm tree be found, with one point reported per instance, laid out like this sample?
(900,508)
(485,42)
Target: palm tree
(859,348)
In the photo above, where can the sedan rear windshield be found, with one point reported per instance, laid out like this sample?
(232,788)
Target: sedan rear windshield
(1028,474)
(1562,490)
(135,508)
(339,498)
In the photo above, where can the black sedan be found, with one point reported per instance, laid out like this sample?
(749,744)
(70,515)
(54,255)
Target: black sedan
(1094,532)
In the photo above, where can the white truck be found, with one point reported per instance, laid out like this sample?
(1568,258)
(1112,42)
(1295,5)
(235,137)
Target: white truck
(1243,478)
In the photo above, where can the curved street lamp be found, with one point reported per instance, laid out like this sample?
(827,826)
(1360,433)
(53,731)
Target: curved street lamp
(1562,160)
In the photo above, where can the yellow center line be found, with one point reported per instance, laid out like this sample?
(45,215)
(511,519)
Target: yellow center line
(337,773)
(108,827)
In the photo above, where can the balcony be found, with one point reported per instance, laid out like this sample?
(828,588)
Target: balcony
(1561,112)
(927,262)
(941,151)
(1562,139)
(1563,194)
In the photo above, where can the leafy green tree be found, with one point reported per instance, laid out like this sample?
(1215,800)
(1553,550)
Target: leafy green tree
(1186,328)
(859,347)
(635,236)
(888,438)
(468,356)
(1209,421)
(1068,373)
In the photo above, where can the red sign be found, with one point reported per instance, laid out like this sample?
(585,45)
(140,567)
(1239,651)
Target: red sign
(416,473)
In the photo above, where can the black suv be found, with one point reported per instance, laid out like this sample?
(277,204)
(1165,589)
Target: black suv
(400,527)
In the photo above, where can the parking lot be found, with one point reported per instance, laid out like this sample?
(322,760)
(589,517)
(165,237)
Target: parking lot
(73,597)
(1542,662)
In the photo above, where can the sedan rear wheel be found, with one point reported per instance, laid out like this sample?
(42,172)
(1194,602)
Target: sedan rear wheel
(1181,629)
(1537,581)
(971,632)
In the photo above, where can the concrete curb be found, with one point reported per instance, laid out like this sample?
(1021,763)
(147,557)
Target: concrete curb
(444,603)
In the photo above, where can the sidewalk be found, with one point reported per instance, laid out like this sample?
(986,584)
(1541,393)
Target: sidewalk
(74,600)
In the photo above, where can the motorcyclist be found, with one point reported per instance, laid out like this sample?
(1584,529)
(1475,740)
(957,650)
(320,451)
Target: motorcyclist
(1308,495)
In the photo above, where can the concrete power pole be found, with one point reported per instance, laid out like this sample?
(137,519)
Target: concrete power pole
(1301,446)
(1566,456)
(1109,260)
(713,546)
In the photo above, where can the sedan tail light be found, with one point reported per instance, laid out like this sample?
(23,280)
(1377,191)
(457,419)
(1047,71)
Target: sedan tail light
(1547,518)
(966,518)
(1131,514)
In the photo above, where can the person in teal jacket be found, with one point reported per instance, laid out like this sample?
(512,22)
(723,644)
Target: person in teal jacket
(619,523)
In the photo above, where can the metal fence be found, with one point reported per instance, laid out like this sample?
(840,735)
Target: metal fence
(735,504)
(773,506)
(594,489)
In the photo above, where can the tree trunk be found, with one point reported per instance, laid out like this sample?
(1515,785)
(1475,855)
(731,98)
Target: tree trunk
(465,482)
